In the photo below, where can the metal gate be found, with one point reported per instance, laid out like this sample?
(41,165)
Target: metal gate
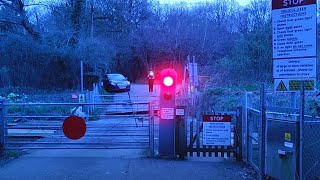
(253,139)
(110,125)
(195,138)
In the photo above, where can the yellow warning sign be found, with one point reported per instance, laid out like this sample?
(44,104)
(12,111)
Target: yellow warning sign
(287,136)
(281,87)
(294,85)
(81,98)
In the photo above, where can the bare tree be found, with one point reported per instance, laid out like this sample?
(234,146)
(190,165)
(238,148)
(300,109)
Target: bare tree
(18,7)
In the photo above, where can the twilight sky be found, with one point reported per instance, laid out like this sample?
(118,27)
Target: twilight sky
(241,2)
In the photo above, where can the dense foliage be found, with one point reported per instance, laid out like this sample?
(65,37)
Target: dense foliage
(41,45)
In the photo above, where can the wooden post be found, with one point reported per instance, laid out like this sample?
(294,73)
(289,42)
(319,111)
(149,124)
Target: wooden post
(216,149)
(222,151)
(198,138)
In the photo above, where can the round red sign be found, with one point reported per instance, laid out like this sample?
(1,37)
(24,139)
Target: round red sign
(74,127)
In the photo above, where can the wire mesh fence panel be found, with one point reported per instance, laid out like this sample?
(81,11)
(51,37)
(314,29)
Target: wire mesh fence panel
(311,136)
(311,146)
(254,134)
(312,105)
(283,108)
(253,105)
(285,102)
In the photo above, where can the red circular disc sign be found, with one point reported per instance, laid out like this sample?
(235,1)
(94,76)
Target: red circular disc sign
(74,127)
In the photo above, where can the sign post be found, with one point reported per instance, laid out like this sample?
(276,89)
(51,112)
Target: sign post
(180,131)
(168,85)
(81,75)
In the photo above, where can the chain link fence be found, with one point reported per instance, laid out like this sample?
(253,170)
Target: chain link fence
(311,146)
(254,138)
(253,129)
(287,106)
(311,136)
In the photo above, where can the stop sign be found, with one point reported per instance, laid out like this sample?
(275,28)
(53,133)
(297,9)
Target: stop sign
(74,127)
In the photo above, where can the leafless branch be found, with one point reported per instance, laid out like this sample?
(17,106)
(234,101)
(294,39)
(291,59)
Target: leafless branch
(9,5)
(4,3)
(117,30)
(36,4)
(101,17)
(9,22)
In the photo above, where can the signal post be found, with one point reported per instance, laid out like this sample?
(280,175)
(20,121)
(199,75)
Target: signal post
(168,84)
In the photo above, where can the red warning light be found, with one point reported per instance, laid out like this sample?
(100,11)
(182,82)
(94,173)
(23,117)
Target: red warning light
(168,86)
(168,81)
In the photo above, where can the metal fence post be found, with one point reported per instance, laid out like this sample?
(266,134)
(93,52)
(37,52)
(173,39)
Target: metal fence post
(263,131)
(239,136)
(2,130)
(301,131)
(151,129)
(246,135)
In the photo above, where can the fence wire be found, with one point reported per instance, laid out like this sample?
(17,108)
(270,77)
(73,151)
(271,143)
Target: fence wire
(311,146)
(288,105)
(254,138)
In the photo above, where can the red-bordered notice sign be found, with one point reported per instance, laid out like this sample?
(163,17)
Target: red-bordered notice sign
(294,31)
(217,130)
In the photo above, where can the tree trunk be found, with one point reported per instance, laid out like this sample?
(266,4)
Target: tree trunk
(75,19)
(25,21)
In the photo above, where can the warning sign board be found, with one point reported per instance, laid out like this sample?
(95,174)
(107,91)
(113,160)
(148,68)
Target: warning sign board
(294,85)
(167,113)
(179,112)
(81,98)
(294,68)
(217,130)
(74,96)
(290,85)
(294,28)
(287,136)
(281,87)
(294,41)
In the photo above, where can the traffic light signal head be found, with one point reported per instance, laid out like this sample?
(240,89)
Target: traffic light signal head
(168,80)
